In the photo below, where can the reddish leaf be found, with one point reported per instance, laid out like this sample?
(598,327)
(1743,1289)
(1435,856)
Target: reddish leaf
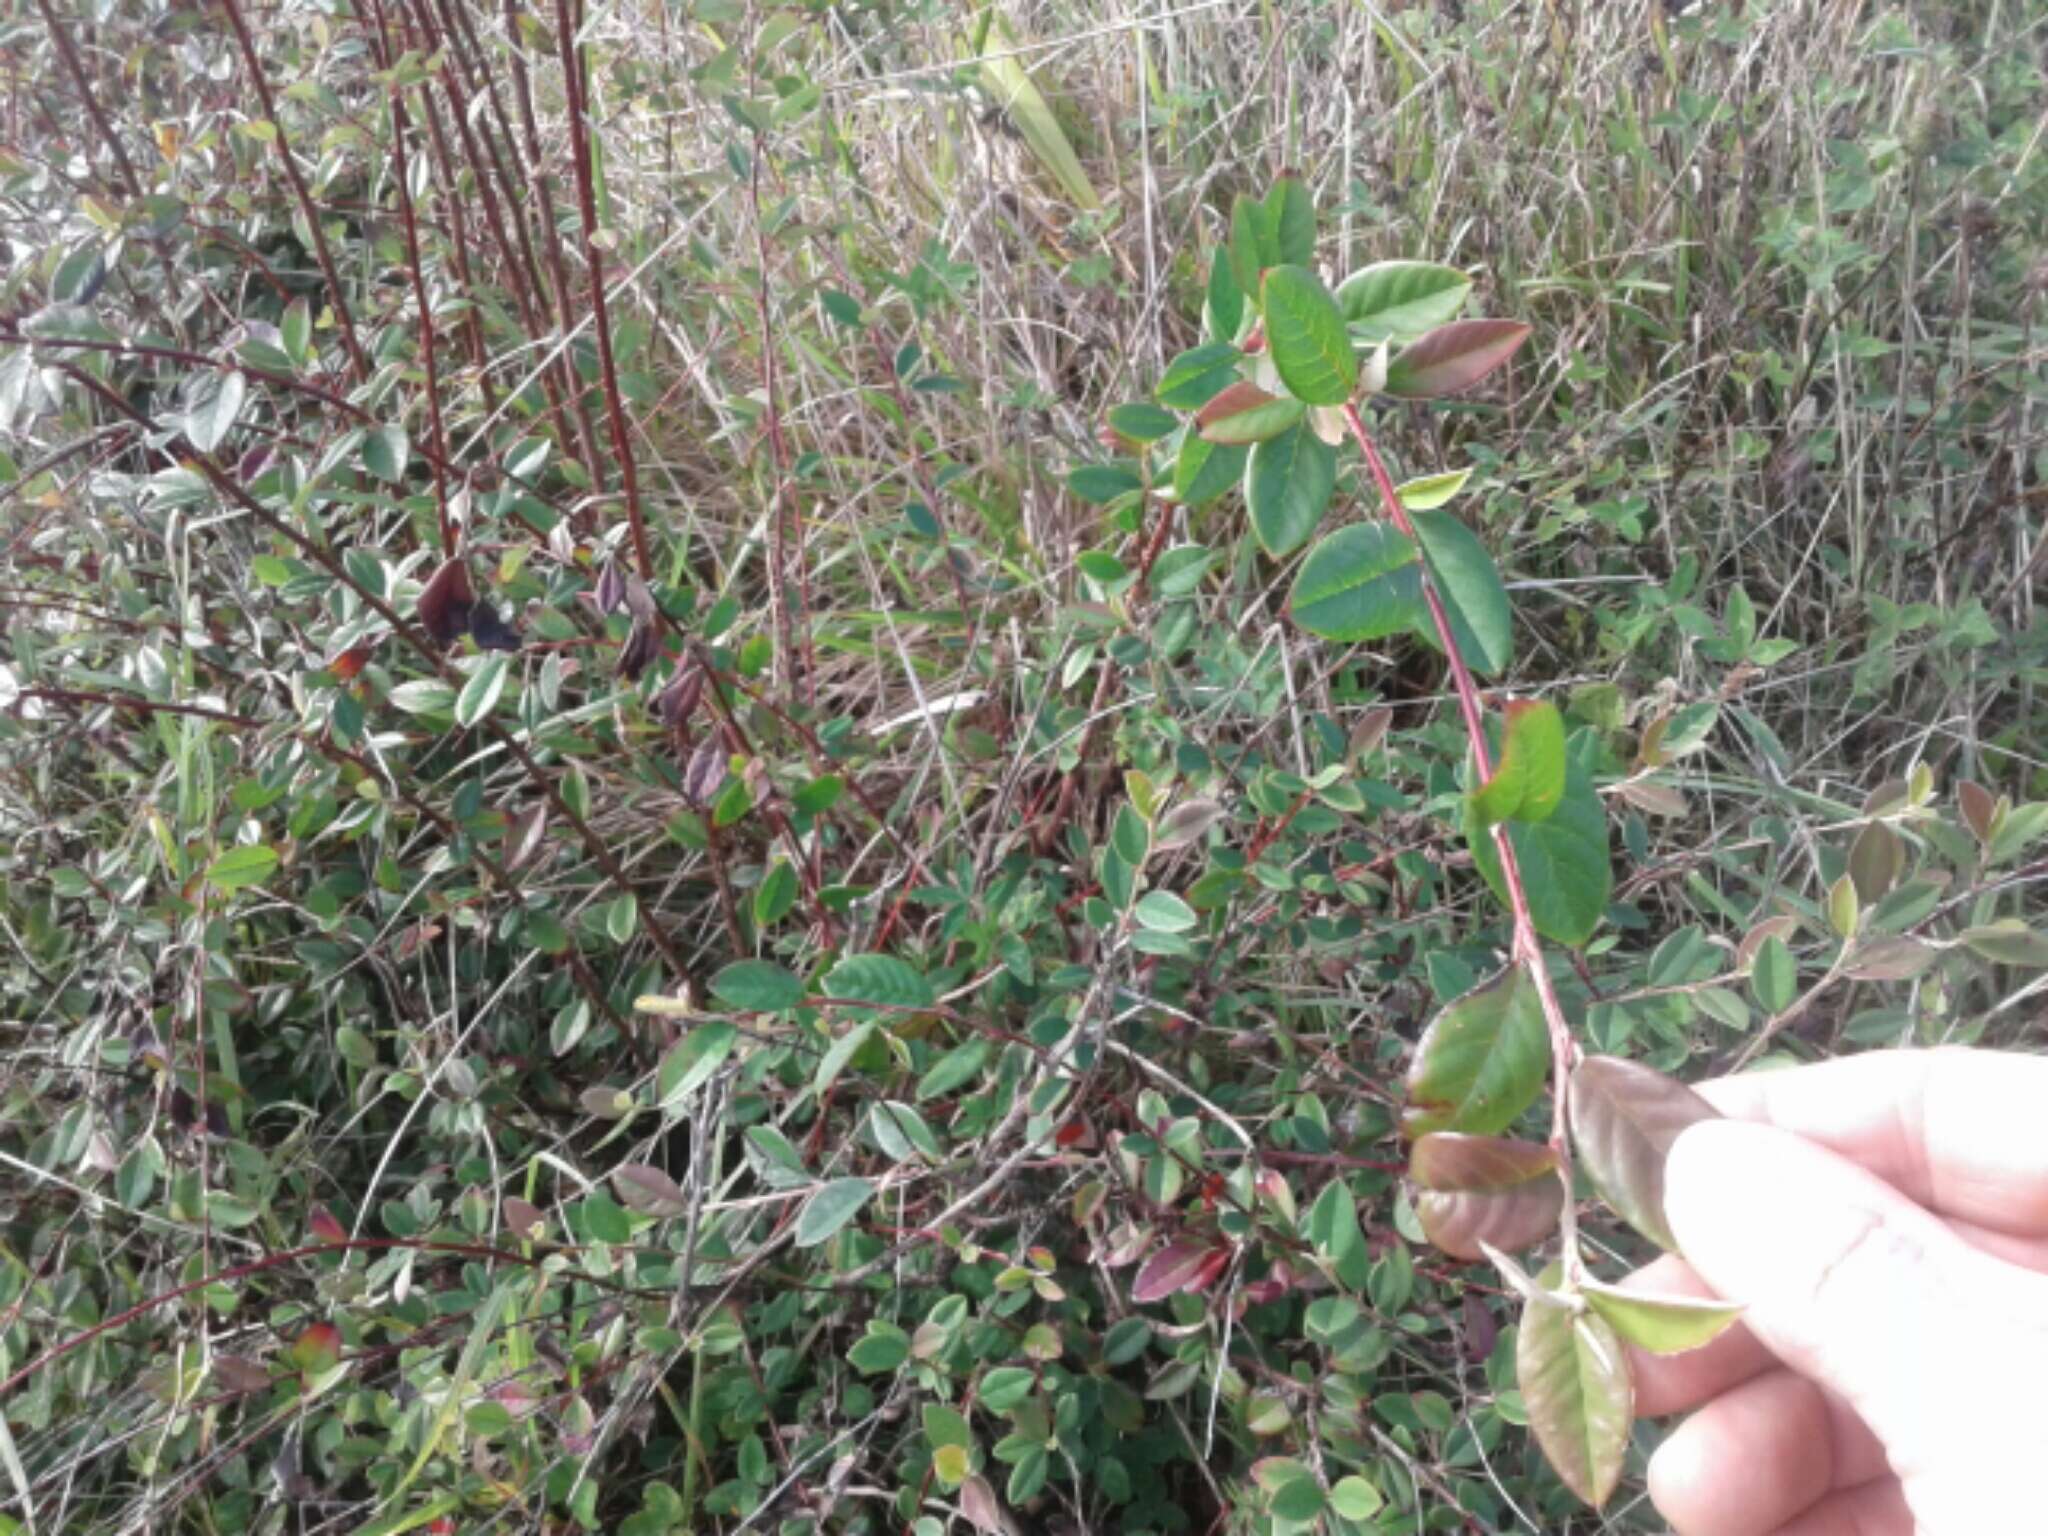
(680,699)
(1979,807)
(1876,860)
(325,1228)
(1453,357)
(445,602)
(318,1349)
(1245,413)
(1484,1189)
(524,1219)
(1482,1328)
(1182,1265)
(350,663)
(1624,1118)
(648,1190)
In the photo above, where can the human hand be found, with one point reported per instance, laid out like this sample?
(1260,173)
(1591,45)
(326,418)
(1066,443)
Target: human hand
(1884,1218)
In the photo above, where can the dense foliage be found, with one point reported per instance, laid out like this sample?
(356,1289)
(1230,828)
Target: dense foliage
(731,802)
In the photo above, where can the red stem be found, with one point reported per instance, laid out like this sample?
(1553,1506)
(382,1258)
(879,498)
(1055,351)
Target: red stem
(1528,946)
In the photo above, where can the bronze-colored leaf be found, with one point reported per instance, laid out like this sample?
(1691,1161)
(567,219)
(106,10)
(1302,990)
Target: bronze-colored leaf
(611,587)
(524,1219)
(643,644)
(1575,1383)
(648,1190)
(445,602)
(1979,807)
(704,775)
(1624,1118)
(1876,860)
(680,699)
(1780,927)
(2008,942)
(1890,795)
(524,835)
(1482,1060)
(1479,1190)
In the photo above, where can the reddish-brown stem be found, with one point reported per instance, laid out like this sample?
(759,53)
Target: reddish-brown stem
(1528,946)
(337,296)
(600,322)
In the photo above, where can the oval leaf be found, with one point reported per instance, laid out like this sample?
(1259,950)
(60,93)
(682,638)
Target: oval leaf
(1566,872)
(1575,1385)
(648,1190)
(1528,781)
(1624,1118)
(1182,1265)
(1482,1060)
(1453,357)
(1469,583)
(1664,1325)
(1245,413)
(1305,330)
(1399,301)
(1481,1190)
(1287,488)
(832,1207)
(881,979)
(1363,582)
(757,986)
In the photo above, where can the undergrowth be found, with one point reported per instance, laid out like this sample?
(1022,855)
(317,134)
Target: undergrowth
(591,624)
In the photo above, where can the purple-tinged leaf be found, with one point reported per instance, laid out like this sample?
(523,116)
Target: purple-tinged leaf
(1245,413)
(1624,1118)
(1479,1190)
(648,1190)
(1453,357)
(1182,1265)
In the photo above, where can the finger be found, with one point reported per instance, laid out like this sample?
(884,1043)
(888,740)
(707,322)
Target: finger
(1676,1383)
(1791,1442)
(1857,1288)
(1875,1509)
(1959,1131)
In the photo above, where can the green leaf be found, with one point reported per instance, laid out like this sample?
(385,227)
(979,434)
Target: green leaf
(901,1132)
(480,694)
(692,1059)
(1333,1228)
(1453,357)
(1223,303)
(1305,332)
(775,895)
(1566,872)
(1179,571)
(1251,251)
(1363,582)
(1100,484)
(1287,487)
(1431,491)
(882,1348)
(1624,1118)
(216,397)
(1482,1061)
(1004,77)
(1355,1499)
(757,986)
(1197,376)
(385,450)
(832,1207)
(1205,470)
(1288,216)
(839,1053)
(1664,1325)
(1300,1499)
(246,865)
(1164,912)
(1399,301)
(1574,1379)
(1528,781)
(881,979)
(1469,584)
(1774,976)
(2007,942)
(1480,1190)
(1142,423)
(424,696)
(1005,1387)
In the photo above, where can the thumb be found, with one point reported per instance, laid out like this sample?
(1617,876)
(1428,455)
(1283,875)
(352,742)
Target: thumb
(1857,1288)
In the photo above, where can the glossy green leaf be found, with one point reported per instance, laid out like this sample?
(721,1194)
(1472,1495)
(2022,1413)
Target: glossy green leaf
(1244,413)
(1574,1378)
(1355,1499)
(832,1207)
(1289,216)
(1205,470)
(901,1132)
(1101,484)
(1453,357)
(1624,1118)
(1223,301)
(1399,301)
(1566,871)
(881,979)
(775,895)
(1481,1061)
(1142,423)
(385,450)
(1334,1230)
(1363,582)
(1164,912)
(1287,487)
(246,865)
(1478,1190)
(757,986)
(692,1059)
(1305,332)
(1664,1325)
(480,694)
(1528,781)
(1466,578)
(215,397)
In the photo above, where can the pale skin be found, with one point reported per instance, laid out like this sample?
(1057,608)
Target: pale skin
(1884,1219)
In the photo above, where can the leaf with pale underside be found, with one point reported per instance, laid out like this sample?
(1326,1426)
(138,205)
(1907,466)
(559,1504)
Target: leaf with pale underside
(1482,1060)
(1575,1384)
(1399,301)
(1480,1191)
(1624,1118)
(1664,1325)
(1453,357)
